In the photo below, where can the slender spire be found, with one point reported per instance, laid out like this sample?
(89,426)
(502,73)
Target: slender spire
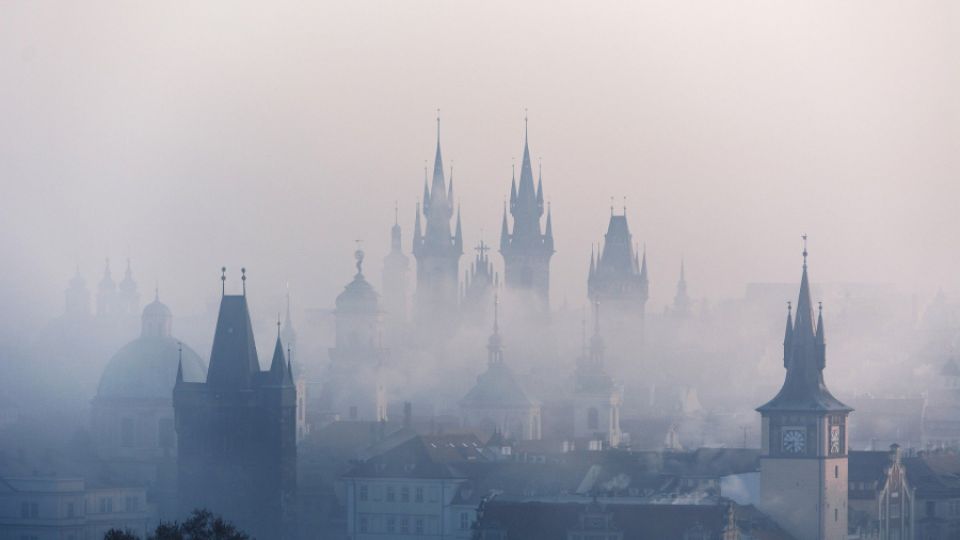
(803,325)
(458,235)
(788,336)
(643,264)
(548,235)
(243,278)
(278,365)
(179,362)
(593,261)
(417,231)
(223,280)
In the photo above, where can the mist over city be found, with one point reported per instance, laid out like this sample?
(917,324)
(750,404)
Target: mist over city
(509,270)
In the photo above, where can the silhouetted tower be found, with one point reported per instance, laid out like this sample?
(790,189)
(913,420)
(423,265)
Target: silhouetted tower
(681,300)
(526,251)
(478,286)
(396,265)
(236,432)
(77,297)
(617,277)
(287,332)
(107,294)
(128,298)
(351,386)
(437,251)
(596,397)
(803,464)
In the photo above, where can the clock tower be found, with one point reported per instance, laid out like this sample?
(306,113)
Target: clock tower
(803,465)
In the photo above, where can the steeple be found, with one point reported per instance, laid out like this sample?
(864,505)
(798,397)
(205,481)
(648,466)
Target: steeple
(804,359)
(278,366)
(788,336)
(681,301)
(526,250)
(233,359)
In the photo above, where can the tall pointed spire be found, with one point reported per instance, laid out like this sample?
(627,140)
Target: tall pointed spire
(803,326)
(495,343)
(504,230)
(179,363)
(788,336)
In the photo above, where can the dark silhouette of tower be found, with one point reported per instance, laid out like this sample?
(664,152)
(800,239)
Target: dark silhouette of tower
(526,250)
(618,277)
(681,300)
(437,251)
(803,466)
(236,432)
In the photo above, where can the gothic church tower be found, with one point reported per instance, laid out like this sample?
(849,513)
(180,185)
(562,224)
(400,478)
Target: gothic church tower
(436,250)
(526,250)
(803,464)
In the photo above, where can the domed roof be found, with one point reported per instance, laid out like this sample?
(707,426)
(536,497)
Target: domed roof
(146,368)
(497,388)
(358,296)
(157,309)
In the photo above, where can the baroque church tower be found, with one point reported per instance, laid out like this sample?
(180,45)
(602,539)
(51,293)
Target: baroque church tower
(596,397)
(803,464)
(437,250)
(526,250)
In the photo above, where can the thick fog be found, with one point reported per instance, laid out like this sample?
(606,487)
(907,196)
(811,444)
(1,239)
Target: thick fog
(187,137)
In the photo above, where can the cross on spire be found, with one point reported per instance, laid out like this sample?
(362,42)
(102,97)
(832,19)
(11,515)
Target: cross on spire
(223,280)
(243,278)
(804,237)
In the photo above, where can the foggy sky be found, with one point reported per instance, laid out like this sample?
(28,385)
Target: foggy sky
(190,136)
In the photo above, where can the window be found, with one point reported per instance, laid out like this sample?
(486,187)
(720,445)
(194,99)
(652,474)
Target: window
(132,504)
(34,509)
(24,509)
(418,526)
(405,494)
(391,524)
(71,512)
(404,525)
(364,524)
(593,418)
(391,494)
(126,432)
(106,505)
(364,493)
(464,521)
(836,514)
(836,471)
(418,495)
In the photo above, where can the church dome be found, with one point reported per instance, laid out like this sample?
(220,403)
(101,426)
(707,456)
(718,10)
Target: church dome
(358,296)
(146,368)
(497,388)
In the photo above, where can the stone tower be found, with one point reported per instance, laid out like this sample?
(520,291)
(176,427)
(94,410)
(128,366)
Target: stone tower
(803,464)
(236,432)
(618,277)
(437,252)
(526,250)
(351,386)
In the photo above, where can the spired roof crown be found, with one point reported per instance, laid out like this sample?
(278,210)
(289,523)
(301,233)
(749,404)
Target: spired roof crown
(804,358)
(233,360)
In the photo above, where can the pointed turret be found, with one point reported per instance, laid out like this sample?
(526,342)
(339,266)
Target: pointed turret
(179,364)
(458,236)
(548,234)
(788,336)
(278,366)
(593,262)
(233,359)
(804,358)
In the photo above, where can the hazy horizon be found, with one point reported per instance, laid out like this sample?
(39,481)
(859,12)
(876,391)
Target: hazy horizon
(188,137)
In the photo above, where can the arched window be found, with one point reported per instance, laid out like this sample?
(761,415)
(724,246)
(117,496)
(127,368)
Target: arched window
(593,418)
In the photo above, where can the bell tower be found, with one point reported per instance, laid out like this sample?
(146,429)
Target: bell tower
(803,464)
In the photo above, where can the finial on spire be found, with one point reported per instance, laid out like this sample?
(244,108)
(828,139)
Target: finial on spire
(358,255)
(438,124)
(789,307)
(396,213)
(278,325)
(243,278)
(223,280)
(804,237)
(525,128)
(611,205)
(624,205)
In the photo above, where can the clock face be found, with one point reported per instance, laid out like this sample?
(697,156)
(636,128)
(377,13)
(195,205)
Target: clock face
(794,440)
(834,439)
